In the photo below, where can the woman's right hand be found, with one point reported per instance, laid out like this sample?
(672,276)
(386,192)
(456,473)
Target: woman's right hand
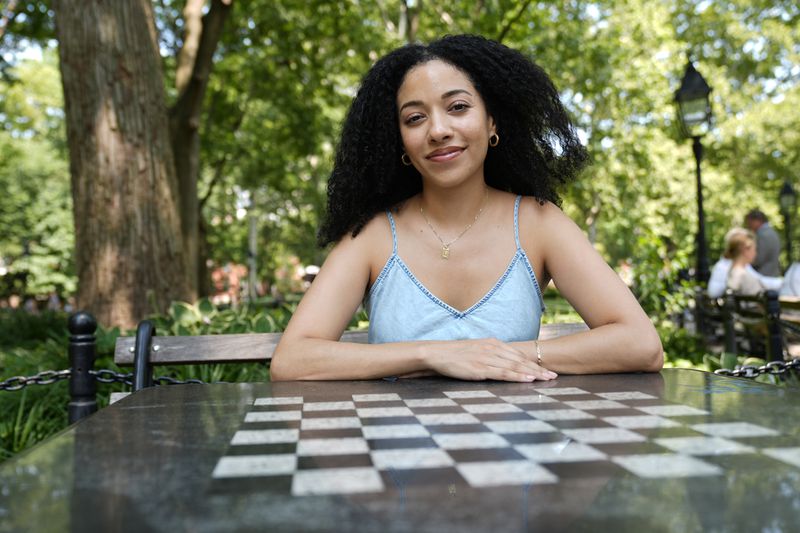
(480,359)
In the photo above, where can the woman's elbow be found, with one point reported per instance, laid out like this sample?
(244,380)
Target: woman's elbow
(651,353)
(279,370)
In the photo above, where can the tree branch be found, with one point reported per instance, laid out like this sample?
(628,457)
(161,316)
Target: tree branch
(513,20)
(190,102)
(193,24)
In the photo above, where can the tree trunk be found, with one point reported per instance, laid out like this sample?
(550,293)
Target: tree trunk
(185,132)
(128,246)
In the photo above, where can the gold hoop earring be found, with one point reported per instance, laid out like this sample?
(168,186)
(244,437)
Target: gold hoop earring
(494,140)
(405,159)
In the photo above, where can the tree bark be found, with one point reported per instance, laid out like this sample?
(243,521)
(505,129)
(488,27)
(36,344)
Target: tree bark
(185,132)
(128,248)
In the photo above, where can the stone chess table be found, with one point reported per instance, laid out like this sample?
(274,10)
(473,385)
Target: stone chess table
(680,450)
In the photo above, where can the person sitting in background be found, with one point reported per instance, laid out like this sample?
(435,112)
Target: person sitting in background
(742,251)
(719,273)
(767,242)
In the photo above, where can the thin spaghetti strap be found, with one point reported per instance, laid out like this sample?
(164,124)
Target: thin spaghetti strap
(394,232)
(516,221)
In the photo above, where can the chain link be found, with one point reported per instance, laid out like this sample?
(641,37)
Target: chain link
(752,371)
(45,377)
(104,375)
(109,376)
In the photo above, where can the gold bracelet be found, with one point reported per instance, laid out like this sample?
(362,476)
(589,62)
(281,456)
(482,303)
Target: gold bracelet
(538,354)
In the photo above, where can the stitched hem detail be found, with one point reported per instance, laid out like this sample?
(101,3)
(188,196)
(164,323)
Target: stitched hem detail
(382,275)
(533,277)
(394,232)
(516,222)
(449,308)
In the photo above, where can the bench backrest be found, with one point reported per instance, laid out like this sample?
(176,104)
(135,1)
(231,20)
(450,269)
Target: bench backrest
(249,347)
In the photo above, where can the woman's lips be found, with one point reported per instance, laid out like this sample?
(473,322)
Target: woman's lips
(445,155)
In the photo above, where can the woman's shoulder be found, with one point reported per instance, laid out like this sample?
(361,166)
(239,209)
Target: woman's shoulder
(373,242)
(537,214)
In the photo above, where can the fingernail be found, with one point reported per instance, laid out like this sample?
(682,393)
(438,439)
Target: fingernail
(552,374)
(530,378)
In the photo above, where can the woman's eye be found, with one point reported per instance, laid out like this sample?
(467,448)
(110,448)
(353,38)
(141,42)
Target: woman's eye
(459,106)
(411,119)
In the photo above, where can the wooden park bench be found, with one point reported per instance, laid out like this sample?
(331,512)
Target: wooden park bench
(144,351)
(762,325)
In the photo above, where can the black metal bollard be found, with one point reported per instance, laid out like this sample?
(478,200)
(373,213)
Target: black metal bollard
(82,348)
(728,307)
(774,334)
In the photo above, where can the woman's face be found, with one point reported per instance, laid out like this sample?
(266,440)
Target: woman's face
(747,252)
(443,123)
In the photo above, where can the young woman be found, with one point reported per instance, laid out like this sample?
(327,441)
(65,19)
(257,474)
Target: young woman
(741,250)
(442,204)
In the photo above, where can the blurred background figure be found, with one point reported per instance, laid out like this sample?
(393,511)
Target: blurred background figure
(768,244)
(735,248)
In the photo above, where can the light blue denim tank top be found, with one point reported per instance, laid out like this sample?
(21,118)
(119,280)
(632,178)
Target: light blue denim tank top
(401,308)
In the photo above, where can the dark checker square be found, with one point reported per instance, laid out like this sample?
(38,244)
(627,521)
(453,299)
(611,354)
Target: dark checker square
(491,417)
(401,444)
(389,420)
(534,438)
(247,485)
(487,454)
(584,469)
(746,461)
(262,449)
(330,433)
(460,428)
(333,461)
(433,477)
(288,424)
(577,424)
(629,448)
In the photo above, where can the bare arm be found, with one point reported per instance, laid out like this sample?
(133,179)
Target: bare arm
(309,348)
(621,336)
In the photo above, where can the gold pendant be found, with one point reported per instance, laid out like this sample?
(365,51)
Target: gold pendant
(445,251)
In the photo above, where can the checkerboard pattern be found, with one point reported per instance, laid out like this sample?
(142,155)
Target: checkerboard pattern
(365,443)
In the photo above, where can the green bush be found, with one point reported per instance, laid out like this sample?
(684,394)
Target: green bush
(31,343)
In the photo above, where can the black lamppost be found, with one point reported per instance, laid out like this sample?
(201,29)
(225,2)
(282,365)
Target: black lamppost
(788,203)
(694,116)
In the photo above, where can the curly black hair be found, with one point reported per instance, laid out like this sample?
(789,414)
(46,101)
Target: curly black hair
(539,150)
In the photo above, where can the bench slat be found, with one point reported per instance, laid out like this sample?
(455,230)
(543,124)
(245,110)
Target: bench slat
(252,347)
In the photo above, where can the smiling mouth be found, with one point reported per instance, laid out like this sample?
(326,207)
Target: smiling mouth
(445,155)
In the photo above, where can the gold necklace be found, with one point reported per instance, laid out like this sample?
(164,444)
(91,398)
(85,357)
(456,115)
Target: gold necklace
(446,246)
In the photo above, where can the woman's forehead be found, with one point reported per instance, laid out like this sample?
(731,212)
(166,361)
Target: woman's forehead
(434,76)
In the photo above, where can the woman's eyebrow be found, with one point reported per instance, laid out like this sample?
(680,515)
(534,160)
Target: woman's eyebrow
(454,92)
(446,95)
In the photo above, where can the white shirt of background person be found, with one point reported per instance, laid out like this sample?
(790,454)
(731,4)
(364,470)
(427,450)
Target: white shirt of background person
(719,278)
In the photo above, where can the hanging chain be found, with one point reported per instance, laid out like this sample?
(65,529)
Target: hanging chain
(102,376)
(752,371)
(45,377)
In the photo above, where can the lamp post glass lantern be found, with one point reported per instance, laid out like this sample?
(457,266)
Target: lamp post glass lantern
(788,203)
(694,117)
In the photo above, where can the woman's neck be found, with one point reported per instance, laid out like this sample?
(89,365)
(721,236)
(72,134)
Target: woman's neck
(456,206)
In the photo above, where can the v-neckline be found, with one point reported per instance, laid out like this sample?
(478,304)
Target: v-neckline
(421,286)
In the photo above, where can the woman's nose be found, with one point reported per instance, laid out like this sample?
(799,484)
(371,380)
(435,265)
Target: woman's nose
(440,128)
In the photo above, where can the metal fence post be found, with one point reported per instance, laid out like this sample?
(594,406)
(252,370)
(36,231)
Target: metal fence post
(774,334)
(82,348)
(142,371)
(728,321)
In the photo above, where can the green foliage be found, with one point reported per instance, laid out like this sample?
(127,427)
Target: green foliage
(204,318)
(35,208)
